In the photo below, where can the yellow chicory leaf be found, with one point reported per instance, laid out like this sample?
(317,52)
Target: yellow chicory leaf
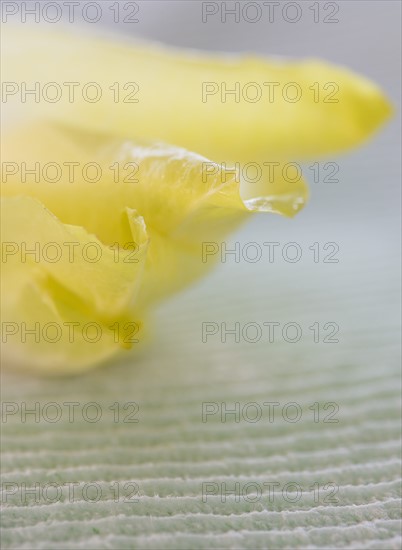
(61,309)
(147,214)
(228,108)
